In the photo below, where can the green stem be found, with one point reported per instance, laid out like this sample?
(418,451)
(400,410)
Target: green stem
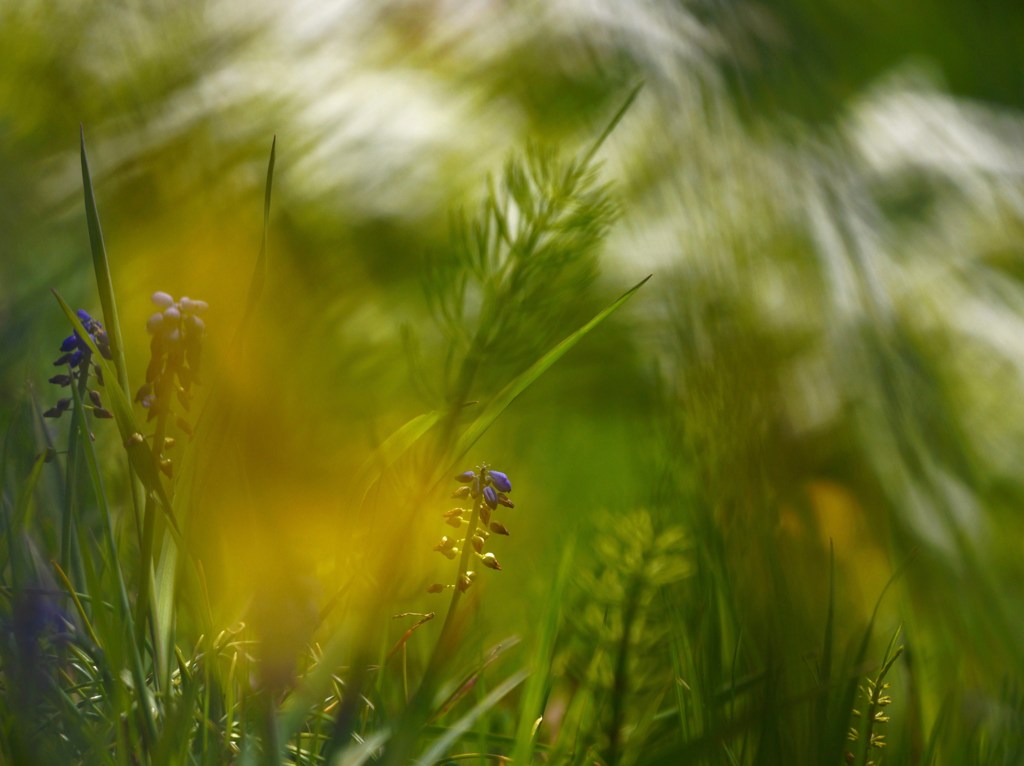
(449,619)
(418,711)
(143,615)
(71,476)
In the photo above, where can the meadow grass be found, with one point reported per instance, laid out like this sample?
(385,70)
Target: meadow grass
(678,632)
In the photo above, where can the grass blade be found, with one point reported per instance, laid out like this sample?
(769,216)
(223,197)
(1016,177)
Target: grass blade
(388,453)
(521,382)
(440,746)
(259,274)
(531,710)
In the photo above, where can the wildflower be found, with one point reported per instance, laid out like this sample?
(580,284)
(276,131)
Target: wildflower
(500,481)
(489,489)
(76,353)
(177,333)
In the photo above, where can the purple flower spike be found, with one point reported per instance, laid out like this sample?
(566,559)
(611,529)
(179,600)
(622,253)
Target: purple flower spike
(500,481)
(465,477)
(491,497)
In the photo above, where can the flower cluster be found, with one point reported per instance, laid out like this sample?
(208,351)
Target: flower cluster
(488,489)
(77,356)
(177,332)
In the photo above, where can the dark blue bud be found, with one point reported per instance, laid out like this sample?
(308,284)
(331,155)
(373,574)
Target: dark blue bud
(500,481)
(83,316)
(491,497)
(76,358)
(465,477)
(70,343)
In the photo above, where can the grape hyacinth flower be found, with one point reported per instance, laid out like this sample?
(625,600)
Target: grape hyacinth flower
(488,489)
(173,368)
(177,331)
(76,354)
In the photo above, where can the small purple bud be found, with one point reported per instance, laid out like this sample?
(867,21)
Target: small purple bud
(83,317)
(491,497)
(503,500)
(488,560)
(53,412)
(162,299)
(102,413)
(94,397)
(61,380)
(70,343)
(172,314)
(62,360)
(461,492)
(500,481)
(198,307)
(485,514)
(465,477)
(154,322)
(498,528)
(76,358)
(435,588)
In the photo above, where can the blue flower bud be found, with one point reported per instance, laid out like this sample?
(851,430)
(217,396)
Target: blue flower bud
(76,358)
(70,343)
(465,477)
(491,497)
(83,317)
(500,481)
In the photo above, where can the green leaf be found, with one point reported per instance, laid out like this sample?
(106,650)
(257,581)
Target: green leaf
(388,453)
(440,746)
(259,274)
(102,268)
(520,383)
(531,709)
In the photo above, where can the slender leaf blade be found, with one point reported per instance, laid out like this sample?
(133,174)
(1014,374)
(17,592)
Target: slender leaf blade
(524,380)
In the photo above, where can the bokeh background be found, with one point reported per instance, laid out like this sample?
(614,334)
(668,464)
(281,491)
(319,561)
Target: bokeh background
(829,195)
